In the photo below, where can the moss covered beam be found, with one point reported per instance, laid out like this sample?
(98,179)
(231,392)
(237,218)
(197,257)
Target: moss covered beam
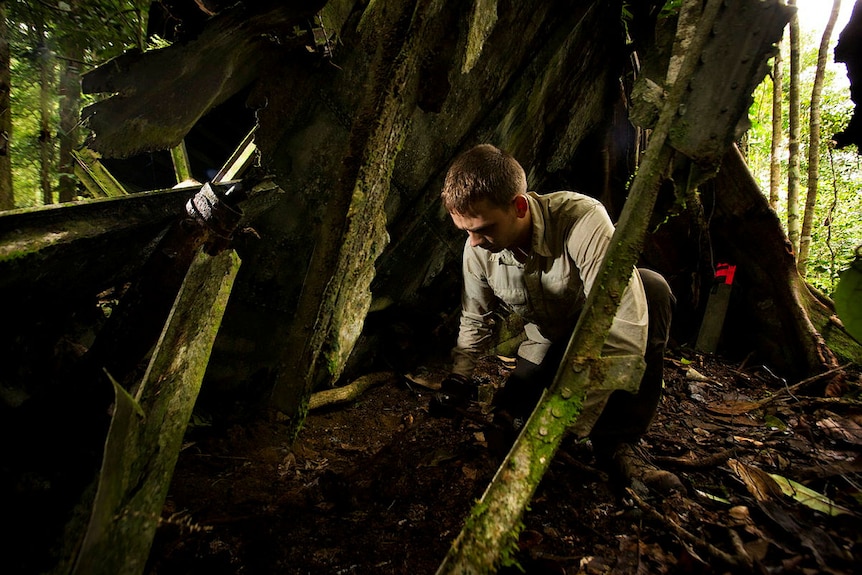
(147,429)
(78,249)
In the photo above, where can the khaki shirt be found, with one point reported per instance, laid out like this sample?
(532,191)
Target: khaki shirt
(571,233)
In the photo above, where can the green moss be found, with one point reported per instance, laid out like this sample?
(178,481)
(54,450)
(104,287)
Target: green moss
(842,345)
(510,548)
(483,20)
(837,339)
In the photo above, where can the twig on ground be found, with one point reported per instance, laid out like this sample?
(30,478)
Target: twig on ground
(739,547)
(707,462)
(799,384)
(737,562)
(574,462)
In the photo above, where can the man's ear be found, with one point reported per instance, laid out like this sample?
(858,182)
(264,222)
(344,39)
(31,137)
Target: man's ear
(521,205)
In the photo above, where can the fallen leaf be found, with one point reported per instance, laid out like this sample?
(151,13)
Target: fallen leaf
(841,428)
(733,407)
(742,419)
(695,375)
(757,549)
(423,380)
(809,497)
(712,497)
(740,514)
(761,486)
(753,442)
(438,456)
(469,473)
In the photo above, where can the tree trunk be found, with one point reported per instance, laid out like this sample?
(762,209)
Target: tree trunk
(70,111)
(769,290)
(46,95)
(814,141)
(777,130)
(224,59)
(7,197)
(793,174)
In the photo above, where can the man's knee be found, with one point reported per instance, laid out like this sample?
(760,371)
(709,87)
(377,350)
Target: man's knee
(660,304)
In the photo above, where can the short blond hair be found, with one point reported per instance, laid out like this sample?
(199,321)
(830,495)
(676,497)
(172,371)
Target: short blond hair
(484,172)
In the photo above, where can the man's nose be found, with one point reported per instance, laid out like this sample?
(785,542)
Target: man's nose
(475,239)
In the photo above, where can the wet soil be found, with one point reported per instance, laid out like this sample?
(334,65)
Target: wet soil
(377,485)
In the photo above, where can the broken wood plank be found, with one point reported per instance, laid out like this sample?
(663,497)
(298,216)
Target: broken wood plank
(141,452)
(99,243)
(224,58)
(239,160)
(64,252)
(95,176)
(180,159)
(737,57)
(713,318)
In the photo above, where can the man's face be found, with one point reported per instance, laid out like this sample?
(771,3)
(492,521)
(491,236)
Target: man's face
(489,226)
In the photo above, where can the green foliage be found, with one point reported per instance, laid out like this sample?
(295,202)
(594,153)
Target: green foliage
(670,8)
(26,132)
(509,552)
(837,226)
(848,297)
(44,33)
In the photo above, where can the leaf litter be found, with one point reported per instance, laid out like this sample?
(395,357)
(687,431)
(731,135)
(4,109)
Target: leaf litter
(773,484)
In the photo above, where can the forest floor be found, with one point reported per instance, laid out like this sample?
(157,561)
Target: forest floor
(379,486)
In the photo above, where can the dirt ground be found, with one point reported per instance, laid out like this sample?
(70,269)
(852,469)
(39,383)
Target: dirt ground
(378,486)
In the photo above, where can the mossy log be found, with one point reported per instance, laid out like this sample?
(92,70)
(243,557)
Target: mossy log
(146,431)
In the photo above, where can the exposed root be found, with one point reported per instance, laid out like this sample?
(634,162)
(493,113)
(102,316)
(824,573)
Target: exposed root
(708,462)
(348,392)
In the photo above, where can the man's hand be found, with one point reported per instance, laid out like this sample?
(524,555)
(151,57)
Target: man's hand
(454,394)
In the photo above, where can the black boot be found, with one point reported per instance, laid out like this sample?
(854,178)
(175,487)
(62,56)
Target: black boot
(454,396)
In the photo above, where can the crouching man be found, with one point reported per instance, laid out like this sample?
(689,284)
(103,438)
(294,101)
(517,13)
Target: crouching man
(539,255)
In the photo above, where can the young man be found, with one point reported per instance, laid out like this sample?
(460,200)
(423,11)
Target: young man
(539,256)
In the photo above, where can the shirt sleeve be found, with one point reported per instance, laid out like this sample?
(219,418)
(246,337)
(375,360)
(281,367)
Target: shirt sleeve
(587,245)
(477,306)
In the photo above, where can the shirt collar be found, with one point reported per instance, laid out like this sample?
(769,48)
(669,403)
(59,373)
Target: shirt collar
(537,215)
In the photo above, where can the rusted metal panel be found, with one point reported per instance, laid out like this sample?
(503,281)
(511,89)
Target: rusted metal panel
(731,65)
